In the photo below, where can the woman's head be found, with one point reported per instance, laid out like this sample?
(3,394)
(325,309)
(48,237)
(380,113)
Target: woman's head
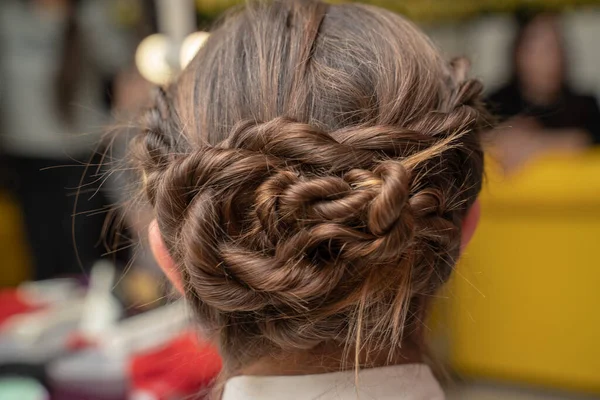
(310,172)
(539,55)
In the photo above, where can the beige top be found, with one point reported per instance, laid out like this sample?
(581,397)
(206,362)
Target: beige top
(399,382)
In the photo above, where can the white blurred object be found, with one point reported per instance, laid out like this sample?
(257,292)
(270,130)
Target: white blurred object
(146,330)
(43,334)
(176,19)
(49,292)
(39,336)
(161,56)
(102,371)
(190,47)
(581,33)
(101,309)
(33,328)
(142,395)
(151,59)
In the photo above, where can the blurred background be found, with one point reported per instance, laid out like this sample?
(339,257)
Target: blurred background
(84,312)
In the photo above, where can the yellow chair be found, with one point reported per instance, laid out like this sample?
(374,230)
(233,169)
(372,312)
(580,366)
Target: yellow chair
(525,300)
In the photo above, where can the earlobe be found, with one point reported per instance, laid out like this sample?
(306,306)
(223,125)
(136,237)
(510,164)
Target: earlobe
(469,225)
(162,256)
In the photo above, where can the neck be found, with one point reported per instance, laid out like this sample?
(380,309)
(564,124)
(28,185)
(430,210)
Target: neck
(330,358)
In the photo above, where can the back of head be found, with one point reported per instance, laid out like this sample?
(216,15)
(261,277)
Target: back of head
(309,172)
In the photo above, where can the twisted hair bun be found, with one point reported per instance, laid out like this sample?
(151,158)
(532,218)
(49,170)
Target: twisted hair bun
(289,216)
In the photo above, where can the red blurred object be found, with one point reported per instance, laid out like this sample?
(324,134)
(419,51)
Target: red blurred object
(77,342)
(183,367)
(12,304)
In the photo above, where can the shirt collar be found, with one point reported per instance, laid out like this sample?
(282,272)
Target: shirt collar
(398,382)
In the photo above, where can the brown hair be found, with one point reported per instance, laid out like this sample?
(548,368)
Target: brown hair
(309,172)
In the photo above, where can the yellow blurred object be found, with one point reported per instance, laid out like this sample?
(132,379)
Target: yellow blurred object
(142,289)
(14,263)
(127,12)
(525,299)
(428,10)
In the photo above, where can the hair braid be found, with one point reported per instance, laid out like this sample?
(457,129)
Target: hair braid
(290,225)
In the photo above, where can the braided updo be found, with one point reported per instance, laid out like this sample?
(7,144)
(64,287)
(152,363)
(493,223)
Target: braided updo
(309,172)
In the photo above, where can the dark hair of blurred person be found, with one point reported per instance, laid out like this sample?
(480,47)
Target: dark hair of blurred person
(70,62)
(56,58)
(538,100)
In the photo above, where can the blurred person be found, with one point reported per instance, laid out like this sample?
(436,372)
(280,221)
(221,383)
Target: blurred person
(309,201)
(56,59)
(541,112)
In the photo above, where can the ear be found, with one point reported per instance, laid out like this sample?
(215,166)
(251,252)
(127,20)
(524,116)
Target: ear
(469,224)
(162,256)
